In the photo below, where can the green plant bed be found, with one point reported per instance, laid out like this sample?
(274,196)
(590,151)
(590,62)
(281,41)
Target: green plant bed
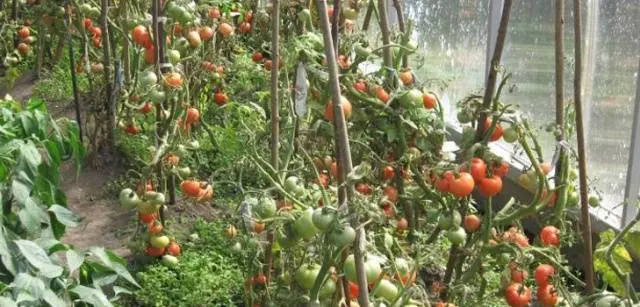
(208,274)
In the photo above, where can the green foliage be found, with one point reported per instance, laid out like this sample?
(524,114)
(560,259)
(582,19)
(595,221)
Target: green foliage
(57,86)
(207,275)
(620,257)
(35,215)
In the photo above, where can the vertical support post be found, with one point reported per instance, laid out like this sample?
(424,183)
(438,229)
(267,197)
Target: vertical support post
(275,120)
(559,57)
(401,25)
(106,61)
(335,24)
(384,24)
(582,152)
(342,145)
(632,188)
(74,79)
(367,15)
(493,66)
(495,11)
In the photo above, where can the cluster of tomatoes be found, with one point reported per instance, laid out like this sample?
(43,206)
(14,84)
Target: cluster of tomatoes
(23,48)
(200,191)
(517,294)
(259,58)
(147,203)
(475,173)
(94,31)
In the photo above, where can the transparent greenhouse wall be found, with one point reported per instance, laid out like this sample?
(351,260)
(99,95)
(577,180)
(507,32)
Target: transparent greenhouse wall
(454,35)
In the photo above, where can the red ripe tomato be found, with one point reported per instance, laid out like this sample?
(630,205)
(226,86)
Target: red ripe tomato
(214,13)
(260,280)
(364,189)
(388,173)
(429,100)
(190,188)
(497,133)
(346,109)
(323,180)
(490,186)
(146,218)
(257,57)
(140,36)
(462,186)
(23,49)
(24,32)
(360,87)
(248,16)
(388,209)
(206,33)
(220,98)
(501,170)
(154,227)
(193,115)
(478,169)
(547,295)
(471,223)
(544,272)
(402,225)
(520,239)
(550,236)
(382,94)
(443,183)
(517,295)
(150,55)
(173,249)
(518,275)
(155,251)
(225,29)
(146,108)
(96,32)
(354,290)
(391,193)
(245,27)
(87,22)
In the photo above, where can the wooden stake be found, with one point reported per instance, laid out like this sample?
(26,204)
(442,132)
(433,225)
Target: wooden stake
(493,70)
(582,152)
(275,120)
(384,28)
(106,62)
(343,147)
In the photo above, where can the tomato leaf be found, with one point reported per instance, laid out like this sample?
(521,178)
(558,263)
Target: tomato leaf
(633,243)
(52,298)
(7,302)
(74,260)
(30,215)
(114,263)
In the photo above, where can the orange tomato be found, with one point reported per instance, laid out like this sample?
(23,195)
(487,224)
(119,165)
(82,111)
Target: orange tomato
(406,77)
(206,33)
(173,79)
(346,109)
(429,100)
(190,188)
(225,29)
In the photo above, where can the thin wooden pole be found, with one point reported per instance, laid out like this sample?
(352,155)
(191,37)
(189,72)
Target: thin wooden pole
(402,27)
(342,143)
(559,57)
(106,61)
(582,152)
(335,24)
(493,70)
(74,80)
(384,24)
(275,119)
(367,15)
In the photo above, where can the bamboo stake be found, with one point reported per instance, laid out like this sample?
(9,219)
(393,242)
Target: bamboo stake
(74,80)
(342,143)
(275,120)
(493,70)
(582,152)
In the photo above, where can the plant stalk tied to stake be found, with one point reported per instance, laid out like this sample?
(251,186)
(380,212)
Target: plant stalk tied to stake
(342,144)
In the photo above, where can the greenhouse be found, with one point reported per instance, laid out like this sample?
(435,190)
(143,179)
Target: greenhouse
(320,153)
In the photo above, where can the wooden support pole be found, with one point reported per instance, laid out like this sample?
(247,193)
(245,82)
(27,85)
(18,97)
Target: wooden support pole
(342,145)
(582,153)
